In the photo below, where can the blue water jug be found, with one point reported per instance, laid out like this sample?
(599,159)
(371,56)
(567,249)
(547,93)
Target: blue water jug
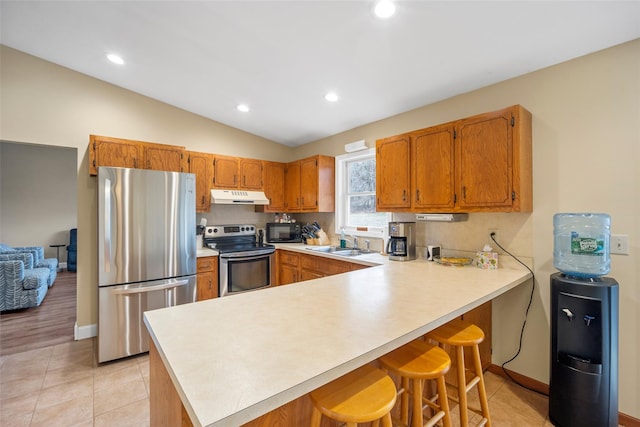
(581,244)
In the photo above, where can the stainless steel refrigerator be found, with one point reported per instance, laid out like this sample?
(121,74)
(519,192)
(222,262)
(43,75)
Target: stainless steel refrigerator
(146,253)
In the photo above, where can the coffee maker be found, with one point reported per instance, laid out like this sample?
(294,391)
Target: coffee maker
(402,241)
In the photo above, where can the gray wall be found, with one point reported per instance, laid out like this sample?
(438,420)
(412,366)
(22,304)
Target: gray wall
(38,190)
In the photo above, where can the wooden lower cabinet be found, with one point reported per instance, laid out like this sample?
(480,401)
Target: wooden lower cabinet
(314,266)
(296,267)
(288,264)
(207,278)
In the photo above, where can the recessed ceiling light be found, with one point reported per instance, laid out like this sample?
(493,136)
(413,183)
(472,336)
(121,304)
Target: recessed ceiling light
(115,58)
(384,9)
(331,97)
(242,107)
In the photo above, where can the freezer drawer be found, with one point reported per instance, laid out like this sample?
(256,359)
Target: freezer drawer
(121,330)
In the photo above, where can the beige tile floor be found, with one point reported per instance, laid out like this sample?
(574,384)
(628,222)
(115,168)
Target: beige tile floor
(63,386)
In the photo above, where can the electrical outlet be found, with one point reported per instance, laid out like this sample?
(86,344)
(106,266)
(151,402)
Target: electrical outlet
(619,244)
(495,233)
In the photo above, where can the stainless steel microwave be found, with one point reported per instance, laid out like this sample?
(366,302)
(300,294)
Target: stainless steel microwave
(280,232)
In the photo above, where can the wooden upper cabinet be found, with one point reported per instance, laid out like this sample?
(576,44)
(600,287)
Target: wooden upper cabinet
(477,164)
(310,185)
(163,158)
(225,171)
(493,161)
(237,173)
(393,173)
(106,151)
(201,164)
(273,187)
(432,166)
(292,186)
(251,174)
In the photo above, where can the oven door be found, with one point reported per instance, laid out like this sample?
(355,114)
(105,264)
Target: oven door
(246,271)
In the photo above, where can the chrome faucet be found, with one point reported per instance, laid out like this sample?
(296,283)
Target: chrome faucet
(355,242)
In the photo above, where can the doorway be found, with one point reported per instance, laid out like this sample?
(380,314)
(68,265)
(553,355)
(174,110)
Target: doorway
(38,207)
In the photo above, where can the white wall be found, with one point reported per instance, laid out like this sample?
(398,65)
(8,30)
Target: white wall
(38,189)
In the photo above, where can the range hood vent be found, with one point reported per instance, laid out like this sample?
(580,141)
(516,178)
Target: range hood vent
(238,197)
(457,217)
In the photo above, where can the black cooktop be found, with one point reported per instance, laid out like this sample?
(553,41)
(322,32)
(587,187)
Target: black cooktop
(225,248)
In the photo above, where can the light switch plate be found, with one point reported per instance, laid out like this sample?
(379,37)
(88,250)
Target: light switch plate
(619,244)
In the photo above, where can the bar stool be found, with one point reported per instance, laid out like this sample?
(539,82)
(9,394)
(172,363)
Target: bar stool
(460,334)
(416,362)
(364,395)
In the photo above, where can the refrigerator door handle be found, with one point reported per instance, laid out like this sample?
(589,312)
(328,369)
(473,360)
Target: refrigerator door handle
(107,225)
(144,289)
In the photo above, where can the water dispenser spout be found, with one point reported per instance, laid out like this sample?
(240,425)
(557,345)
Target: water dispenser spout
(588,319)
(568,313)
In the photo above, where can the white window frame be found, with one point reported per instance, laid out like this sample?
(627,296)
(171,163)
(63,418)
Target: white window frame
(341,198)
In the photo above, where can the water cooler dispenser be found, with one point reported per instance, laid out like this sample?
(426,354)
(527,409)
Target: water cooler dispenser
(583,385)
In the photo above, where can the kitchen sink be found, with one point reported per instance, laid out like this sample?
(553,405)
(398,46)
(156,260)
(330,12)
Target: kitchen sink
(336,250)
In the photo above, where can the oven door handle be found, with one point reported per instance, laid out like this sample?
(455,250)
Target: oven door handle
(241,256)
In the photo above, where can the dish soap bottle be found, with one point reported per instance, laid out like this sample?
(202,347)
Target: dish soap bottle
(343,241)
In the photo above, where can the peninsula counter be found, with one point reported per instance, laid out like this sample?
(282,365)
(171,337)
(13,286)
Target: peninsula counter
(227,361)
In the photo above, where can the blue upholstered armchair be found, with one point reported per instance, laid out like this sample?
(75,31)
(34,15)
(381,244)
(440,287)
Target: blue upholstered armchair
(39,260)
(21,285)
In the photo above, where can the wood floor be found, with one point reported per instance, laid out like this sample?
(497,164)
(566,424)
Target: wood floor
(49,324)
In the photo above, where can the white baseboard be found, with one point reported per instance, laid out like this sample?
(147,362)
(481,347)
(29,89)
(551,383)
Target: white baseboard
(84,332)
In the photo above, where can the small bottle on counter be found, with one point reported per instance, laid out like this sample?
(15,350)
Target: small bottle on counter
(276,217)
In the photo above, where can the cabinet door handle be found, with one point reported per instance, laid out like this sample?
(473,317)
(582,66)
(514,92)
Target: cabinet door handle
(210,284)
(203,200)
(404,195)
(417,195)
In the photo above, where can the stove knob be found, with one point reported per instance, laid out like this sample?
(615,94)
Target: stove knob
(215,230)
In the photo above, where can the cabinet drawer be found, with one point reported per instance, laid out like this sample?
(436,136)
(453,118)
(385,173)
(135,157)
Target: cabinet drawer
(323,265)
(206,264)
(288,258)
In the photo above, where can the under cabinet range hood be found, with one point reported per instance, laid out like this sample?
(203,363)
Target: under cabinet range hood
(238,197)
(451,217)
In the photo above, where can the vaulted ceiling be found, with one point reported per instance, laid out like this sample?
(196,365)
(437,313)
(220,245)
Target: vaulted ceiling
(280,58)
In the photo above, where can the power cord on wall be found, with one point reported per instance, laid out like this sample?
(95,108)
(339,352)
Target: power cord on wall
(526,314)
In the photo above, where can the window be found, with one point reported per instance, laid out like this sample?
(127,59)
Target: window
(356,196)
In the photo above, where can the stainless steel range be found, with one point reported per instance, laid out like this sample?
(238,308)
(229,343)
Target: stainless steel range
(246,263)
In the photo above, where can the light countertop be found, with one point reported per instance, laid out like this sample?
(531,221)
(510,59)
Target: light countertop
(204,252)
(235,358)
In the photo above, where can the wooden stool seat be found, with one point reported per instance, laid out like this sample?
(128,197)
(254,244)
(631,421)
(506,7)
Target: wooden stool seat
(460,334)
(364,395)
(457,333)
(419,361)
